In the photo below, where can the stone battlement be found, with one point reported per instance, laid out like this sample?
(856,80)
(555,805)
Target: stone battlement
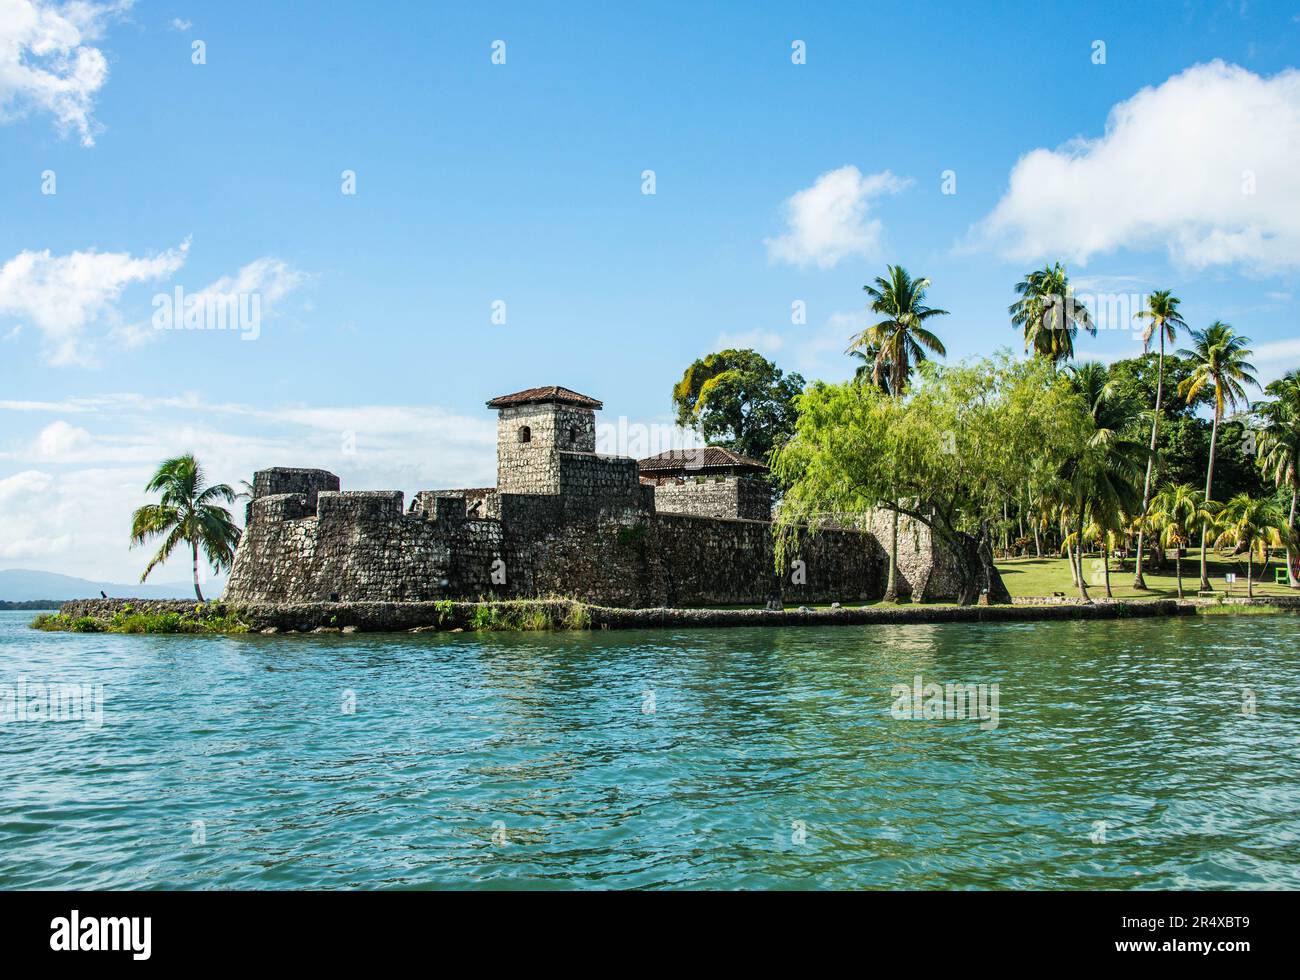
(562,521)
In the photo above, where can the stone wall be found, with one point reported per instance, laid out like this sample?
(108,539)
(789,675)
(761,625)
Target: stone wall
(531,465)
(715,496)
(926,571)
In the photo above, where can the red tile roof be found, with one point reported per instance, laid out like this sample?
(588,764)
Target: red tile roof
(695,460)
(540,396)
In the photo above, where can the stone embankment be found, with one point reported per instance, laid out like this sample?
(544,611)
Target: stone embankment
(391,617)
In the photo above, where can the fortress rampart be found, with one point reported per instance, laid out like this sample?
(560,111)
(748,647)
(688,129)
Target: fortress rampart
(562,521)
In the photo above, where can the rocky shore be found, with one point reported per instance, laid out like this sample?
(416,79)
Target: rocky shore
(391,617)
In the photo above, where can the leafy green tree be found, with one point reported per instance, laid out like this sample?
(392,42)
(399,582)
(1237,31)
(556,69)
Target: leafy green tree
(900,342)
(1048,314)
(1177,511)
(187,512)
(1221,367)
(942,456)
(1279,448)
(1162,320)
(1253,526)
(738,399)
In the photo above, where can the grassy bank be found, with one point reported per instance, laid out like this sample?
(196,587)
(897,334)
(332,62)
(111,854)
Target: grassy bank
(1026,577)
(203,618)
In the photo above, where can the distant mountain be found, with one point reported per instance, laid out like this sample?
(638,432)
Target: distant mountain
(21,584)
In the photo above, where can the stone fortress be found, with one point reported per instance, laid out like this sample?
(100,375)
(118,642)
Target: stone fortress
(684,528)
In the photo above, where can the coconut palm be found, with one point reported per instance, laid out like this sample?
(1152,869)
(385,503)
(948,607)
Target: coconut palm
(1253,526)
(1098,483)
(1163,319)
(870,369)
(1176,511)
(1048,314)
(1279,448)
(1219,358)
(186,512)
(900,341)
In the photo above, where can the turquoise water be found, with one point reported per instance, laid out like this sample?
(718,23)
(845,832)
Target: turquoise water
(771,758)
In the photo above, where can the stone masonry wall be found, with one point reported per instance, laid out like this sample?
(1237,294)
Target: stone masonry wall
(533,466)
(710,496)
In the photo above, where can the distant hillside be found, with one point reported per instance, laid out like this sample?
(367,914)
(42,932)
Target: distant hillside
(23,585)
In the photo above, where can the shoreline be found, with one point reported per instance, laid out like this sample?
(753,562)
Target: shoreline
(527,615)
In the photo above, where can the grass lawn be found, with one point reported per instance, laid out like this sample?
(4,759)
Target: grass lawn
(1043,576)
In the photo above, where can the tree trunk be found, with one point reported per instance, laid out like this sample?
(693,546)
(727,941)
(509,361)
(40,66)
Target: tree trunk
(1074,565)
(1105,565)
(194,552)
(1291,579)
(1250,572)
(1138,581)
(1178,569)
(891,588)
(1038,541)
(1083,585)
(1209,481)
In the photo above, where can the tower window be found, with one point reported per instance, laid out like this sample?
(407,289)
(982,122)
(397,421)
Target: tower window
(573,435)
(525,434)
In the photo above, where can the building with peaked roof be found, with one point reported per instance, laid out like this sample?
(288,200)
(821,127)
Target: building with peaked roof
(709,481)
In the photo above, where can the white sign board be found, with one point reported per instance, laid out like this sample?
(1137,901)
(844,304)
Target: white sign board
(1230,577)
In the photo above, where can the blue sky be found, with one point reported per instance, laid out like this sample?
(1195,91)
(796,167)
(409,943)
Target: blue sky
(521,182)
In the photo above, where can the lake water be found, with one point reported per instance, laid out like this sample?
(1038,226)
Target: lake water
(1126,754)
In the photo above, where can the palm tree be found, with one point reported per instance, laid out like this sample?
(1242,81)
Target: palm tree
(1219,356)
(900,341)
(187,511)
(1164,320)
(1252,526)
(1099,477)
(870,368)
(1048,314)
(1279,448)
(1176,510)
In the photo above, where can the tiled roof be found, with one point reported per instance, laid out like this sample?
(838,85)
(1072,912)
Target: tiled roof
(704,458)
(538,396)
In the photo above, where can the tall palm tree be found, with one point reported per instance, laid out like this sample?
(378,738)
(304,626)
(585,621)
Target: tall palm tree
(1279,448)
(1049,315)
(901,340)
(1219,356)
(1094,475)
(1176,511)
(186,512)
(1253,526)
(1162,318)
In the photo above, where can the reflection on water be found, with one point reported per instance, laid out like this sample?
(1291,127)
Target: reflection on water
(1127,754)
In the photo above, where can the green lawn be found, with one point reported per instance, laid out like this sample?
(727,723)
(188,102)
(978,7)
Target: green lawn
(1043,576)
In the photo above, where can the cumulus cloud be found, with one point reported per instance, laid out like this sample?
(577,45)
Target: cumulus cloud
(831,221)
(1203,165)
(49,63)
(68,488)
(61,295)
(64,296)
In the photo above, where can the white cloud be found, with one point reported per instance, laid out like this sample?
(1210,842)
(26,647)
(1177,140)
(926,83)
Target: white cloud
(48,63)
(813,351)
(67,491)
(180,25)
(830,220)
(66,295)
(1203,165)
(62,439)
(1274,359)
(61,295)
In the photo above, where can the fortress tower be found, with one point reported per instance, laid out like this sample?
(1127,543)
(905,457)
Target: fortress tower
(533,428)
